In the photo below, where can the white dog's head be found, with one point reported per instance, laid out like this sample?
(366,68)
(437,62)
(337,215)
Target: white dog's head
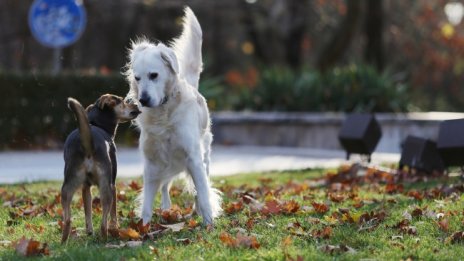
(152,70)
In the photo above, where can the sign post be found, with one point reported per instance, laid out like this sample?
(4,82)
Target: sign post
(57,24)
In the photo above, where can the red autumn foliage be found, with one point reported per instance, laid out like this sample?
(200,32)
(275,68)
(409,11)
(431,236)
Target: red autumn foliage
(320,207)
(30,247)
(290,207)
(336,197)
(135,186)
(271,207)
(172,215)
(233,207)
(239,241)
(324,233)
(139,227)
(393,188)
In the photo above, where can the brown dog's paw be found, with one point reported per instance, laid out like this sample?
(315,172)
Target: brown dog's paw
(114,225)
(104,233)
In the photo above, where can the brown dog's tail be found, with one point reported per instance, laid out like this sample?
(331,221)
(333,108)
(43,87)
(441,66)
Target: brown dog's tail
(84,126)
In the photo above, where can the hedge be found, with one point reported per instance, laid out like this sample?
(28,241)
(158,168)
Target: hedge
(34,109)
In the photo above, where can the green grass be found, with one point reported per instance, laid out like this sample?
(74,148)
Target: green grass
(430,243)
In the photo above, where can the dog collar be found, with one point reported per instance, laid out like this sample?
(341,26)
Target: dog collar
(165,100)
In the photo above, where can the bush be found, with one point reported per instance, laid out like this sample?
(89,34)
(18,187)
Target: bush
(35,114)
(34,110)
(346,89)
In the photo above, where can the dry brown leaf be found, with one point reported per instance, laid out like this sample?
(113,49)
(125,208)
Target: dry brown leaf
(128,234)
(185,241)
(334,197)
(227,239)
(271,207)
(457,237)
(320,207)
(248,241)
(174,227)
(290,207)
(192,223)
(134,185)
(324,233)
(443,224)
(30,247)
(287,241)
(172,215)
(233,207)
(139,227)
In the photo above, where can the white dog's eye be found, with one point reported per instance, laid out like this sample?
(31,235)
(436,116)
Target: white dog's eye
(152,76)
(137,78)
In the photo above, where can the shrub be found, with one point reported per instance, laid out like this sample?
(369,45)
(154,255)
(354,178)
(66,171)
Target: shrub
(347,89)
(34,110)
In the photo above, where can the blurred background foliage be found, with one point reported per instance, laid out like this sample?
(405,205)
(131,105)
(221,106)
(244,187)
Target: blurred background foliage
(278,55)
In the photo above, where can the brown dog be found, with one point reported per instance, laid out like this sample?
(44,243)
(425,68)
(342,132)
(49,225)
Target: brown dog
(90,158)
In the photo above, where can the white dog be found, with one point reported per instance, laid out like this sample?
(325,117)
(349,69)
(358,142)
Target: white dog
(174,123)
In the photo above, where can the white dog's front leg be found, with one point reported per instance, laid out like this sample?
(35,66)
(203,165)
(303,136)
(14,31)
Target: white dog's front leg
(197,170)
(151,185)
(165,198)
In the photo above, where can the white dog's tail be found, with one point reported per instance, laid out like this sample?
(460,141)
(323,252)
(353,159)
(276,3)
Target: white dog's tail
(188,49)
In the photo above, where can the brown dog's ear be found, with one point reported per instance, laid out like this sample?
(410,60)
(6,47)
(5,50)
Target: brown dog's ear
(105,100)
(89,107)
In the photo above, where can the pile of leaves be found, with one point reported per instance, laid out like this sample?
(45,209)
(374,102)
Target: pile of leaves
(355,212)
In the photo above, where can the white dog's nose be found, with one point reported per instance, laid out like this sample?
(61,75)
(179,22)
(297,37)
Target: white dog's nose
(144,100)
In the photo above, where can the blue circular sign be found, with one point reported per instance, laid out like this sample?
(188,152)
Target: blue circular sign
(57,23)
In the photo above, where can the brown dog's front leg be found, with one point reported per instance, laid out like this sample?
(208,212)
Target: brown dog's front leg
(113,215)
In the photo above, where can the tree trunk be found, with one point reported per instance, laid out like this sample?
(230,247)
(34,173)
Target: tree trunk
(373,51)
(341,38)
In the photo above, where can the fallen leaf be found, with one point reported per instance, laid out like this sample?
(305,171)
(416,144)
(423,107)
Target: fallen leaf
(323,233)
(417,212)
(134,243)
(5,242)
(443,224)
(153,250)
(134,185)
(192,223)
(332,249)
(407,215)
(415,194)
(457,237)
(172,215)
(128,234)
(233,207)
(336,197)
(393,188)
(240,240)
(185,241)
(290,207)
(320,207)
(139,227)
(227,239)
(248,241)
(287,241)
(174,227)
(271,207)
(30,247)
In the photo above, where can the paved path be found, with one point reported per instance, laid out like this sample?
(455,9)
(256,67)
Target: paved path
(48,165)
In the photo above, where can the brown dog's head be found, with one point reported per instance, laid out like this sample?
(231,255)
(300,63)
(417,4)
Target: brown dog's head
(123,110)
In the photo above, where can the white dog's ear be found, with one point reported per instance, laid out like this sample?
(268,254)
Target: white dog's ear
(169,58)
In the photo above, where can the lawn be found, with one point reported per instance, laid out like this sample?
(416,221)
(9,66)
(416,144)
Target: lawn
(347,214)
